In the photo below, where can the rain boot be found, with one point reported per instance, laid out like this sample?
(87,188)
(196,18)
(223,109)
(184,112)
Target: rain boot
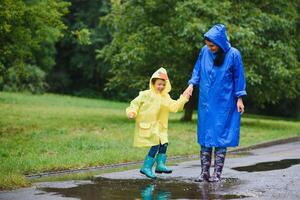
(147,167)
(161,167)
(147,193)
(205,158)
(219,164)
(162,195)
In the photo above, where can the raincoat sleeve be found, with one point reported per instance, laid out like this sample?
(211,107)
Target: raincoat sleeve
(177,105)
(196,72)
(239,76)
(135,104)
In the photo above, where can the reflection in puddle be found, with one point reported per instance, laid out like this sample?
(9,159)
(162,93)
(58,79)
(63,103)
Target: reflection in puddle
(147,189)
(268,166)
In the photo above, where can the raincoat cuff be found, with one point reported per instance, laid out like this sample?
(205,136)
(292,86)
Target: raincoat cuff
(184,99)
(128,110)
(240,93)
(191,82)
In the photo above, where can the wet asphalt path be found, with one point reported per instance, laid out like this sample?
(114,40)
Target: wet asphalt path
(265,173)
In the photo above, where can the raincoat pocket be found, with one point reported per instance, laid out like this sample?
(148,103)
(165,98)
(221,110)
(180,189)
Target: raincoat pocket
(145,129)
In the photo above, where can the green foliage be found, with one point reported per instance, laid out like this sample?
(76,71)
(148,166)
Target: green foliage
(25,78)
(76,57)
(269,49)
(149,34)
(83,36)
(29,30)
(68,52)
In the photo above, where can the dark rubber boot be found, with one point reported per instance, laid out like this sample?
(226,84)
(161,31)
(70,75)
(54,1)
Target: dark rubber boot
(219,164)
(205,157)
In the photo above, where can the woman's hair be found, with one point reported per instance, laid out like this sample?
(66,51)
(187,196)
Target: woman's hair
(155,79)
(219,59)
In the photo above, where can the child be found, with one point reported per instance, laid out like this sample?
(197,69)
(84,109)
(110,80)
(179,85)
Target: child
(151,111)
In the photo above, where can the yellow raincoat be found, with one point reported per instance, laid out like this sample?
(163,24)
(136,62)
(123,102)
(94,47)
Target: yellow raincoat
(152,112)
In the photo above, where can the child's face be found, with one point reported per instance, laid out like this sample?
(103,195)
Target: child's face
(159,85)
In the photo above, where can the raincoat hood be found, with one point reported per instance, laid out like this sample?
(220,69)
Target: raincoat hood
(161,73)
(217,34)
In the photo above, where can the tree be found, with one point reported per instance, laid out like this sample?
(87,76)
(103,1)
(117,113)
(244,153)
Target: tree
(29,30)
(77,68)
(154,33)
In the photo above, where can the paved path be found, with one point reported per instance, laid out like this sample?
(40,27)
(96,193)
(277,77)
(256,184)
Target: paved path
(265,173)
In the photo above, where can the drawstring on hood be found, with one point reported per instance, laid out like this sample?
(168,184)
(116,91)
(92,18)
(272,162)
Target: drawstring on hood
(161,73)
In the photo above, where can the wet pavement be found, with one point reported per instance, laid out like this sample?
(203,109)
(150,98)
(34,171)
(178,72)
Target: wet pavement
(265,173)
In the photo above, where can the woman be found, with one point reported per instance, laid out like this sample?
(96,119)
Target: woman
(220,76)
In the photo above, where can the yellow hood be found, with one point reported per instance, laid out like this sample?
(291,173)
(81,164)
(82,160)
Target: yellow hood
(162,74)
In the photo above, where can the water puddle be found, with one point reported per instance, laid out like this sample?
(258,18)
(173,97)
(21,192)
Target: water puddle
(269,166)
(147,189)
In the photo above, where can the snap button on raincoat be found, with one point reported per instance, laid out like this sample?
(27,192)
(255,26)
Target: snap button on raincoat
(152,112)
(220,87)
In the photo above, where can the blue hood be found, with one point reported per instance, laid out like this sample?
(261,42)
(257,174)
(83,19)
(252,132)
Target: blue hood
(217,34)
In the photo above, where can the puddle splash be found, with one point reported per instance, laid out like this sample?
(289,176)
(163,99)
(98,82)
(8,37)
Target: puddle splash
(145,189)
(269,166)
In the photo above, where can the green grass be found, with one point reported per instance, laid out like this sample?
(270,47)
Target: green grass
(54,132)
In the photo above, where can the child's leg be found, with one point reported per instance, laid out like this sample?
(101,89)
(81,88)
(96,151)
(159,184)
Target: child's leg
(153,150)
(163,148)
(149,162)
(161,160)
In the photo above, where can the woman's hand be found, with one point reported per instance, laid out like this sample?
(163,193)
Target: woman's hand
(189,90)
(131,115)
(240,105)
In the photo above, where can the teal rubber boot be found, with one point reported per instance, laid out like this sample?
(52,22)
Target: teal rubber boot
(161,164)
(147,193)
(147,167)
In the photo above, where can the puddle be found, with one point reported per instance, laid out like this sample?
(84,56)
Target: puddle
(147,189)
(269,166)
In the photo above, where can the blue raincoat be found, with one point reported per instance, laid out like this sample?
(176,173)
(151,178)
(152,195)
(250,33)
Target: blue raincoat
(220,87)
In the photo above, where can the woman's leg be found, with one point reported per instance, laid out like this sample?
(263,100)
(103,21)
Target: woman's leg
(149,162)
(161,160)
(205,158)
(220,154)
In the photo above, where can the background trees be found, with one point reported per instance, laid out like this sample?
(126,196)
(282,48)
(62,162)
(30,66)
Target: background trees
(62,46)
(29,30)
(77,70)
(148,34)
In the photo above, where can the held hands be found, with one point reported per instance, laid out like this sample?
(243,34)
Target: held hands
(240,105)
(188,91)
(131,115)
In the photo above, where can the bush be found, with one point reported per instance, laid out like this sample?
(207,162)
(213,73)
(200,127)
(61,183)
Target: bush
(25,78)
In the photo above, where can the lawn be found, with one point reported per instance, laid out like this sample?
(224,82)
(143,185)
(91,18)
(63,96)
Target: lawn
(53,132)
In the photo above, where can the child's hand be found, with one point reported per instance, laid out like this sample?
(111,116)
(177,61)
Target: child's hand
(131,115)
(189,90)
(186,95)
